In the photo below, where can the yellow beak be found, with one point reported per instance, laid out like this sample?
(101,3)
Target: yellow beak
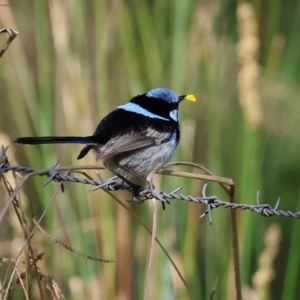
(190,97)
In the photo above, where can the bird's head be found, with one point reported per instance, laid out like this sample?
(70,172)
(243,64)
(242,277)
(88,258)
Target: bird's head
(168,96)
(158,103)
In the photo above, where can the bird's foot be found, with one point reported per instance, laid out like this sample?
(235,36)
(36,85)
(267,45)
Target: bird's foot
(136,189)
(140,194)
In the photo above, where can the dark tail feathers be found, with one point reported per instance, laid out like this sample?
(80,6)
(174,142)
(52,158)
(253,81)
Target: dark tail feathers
(88,140)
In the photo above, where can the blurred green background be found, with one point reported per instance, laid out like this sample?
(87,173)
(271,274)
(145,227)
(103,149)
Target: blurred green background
(74,61)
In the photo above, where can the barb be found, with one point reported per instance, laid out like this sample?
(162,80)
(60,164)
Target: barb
(56,174)
(11,35)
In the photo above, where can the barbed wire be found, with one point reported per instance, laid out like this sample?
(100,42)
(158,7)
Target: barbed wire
(62,174)
(11,36)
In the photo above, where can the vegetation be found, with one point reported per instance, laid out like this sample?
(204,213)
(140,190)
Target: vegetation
(74,61)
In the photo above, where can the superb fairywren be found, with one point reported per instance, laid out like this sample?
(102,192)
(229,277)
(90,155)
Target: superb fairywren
(138,137)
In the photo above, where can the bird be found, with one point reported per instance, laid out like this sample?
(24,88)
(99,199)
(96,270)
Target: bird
(136,138)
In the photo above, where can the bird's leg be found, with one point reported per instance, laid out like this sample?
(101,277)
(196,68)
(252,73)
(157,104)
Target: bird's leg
(148,180)
(150,186)
(135,187)
(137,190)
(135,174)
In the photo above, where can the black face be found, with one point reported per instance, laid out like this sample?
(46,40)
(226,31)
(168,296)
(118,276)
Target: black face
(156,106)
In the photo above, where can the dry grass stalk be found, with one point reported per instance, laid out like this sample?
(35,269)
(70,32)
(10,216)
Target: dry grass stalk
(265,273)
(249,74)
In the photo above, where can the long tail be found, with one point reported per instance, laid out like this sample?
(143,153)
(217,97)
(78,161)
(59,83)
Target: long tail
(88,140)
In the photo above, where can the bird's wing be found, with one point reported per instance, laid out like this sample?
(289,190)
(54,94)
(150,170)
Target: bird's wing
(131,141)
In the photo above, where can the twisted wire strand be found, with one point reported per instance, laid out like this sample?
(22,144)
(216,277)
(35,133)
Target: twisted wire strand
(212,202)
